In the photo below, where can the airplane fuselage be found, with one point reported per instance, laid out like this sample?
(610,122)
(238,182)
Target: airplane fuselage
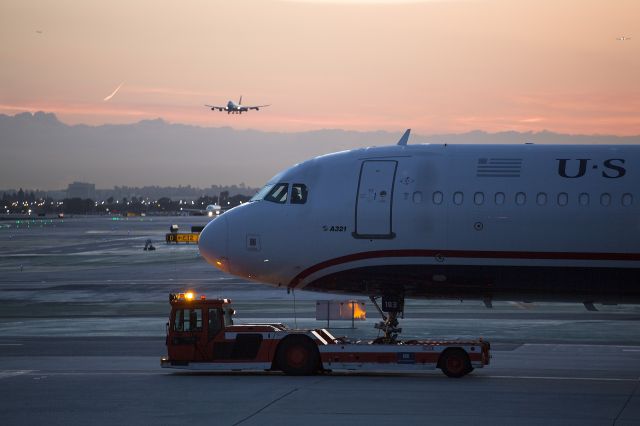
(503,222)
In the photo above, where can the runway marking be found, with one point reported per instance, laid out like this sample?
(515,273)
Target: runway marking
(11,344)
(631,350)
(594,379)
(4,374)
(94,373)
(12,373)
(586,345)
(266,406)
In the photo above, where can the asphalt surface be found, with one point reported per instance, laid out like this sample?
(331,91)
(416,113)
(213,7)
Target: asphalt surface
(91,381)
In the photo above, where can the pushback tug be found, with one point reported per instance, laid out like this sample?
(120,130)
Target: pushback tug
(201,335)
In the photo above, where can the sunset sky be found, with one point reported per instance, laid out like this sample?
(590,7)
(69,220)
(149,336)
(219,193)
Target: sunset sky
(435,66)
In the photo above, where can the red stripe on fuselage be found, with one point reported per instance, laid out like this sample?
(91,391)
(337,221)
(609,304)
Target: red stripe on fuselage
(470,254)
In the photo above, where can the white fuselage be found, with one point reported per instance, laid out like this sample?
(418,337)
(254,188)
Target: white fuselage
(233,107)
(518,222)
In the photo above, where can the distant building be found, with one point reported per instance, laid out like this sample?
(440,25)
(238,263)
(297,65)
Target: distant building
(81,190)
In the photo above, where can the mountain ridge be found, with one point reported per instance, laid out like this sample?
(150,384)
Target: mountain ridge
(40,151)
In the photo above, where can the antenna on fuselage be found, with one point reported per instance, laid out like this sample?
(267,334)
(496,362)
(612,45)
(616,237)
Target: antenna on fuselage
(405,138)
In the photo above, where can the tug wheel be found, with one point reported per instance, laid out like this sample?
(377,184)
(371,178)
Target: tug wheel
(455,363)
(298,356)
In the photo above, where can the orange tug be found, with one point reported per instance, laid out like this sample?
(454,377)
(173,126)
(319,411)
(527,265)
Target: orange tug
(201,336)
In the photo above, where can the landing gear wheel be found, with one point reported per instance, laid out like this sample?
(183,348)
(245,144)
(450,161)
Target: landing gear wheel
(455,363)
(298,356)
(389,324)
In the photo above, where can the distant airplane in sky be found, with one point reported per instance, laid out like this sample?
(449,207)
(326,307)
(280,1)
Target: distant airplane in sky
(236,108)
(623,38)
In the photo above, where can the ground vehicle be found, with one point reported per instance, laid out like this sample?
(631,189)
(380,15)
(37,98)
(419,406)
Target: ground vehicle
(201,336)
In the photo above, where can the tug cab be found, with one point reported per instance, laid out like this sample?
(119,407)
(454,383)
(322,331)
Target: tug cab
(194,325)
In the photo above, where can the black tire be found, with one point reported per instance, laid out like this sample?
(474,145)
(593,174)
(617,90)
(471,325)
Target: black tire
(298,356)
(455,363)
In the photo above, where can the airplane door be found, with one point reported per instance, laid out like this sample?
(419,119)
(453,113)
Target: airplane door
(374,199)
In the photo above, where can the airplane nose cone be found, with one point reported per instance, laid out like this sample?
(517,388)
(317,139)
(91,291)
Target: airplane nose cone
(213,243)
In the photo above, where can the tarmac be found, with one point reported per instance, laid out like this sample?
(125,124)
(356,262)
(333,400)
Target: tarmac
(82,326)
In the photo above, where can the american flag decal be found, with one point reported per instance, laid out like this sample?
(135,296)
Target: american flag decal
(499,167)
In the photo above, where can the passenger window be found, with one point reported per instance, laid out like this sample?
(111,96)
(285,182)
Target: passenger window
(458,198)
(478,198)
(499,199)
(605,199)
(298,193)
(278,194)
(583,199)
(627,200)
(521,198)
(188,320)
(437,197)
(541,198)
(563,199)
(417,197)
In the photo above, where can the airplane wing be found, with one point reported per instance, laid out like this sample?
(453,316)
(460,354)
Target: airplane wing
(256,107)
(215,107)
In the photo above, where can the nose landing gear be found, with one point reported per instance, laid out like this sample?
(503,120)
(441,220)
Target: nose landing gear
(394,307)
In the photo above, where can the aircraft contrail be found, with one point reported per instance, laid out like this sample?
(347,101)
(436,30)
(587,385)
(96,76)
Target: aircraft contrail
(114,93)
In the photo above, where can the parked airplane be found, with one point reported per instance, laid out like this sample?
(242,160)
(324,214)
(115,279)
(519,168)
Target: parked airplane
(490,222)
(235,108)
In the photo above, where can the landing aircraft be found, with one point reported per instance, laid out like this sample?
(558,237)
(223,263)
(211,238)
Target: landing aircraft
(235,108)
(489,222)
(210,210)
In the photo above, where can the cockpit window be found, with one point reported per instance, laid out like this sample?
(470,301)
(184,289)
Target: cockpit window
(298,193)
(278,193)
(262,193)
